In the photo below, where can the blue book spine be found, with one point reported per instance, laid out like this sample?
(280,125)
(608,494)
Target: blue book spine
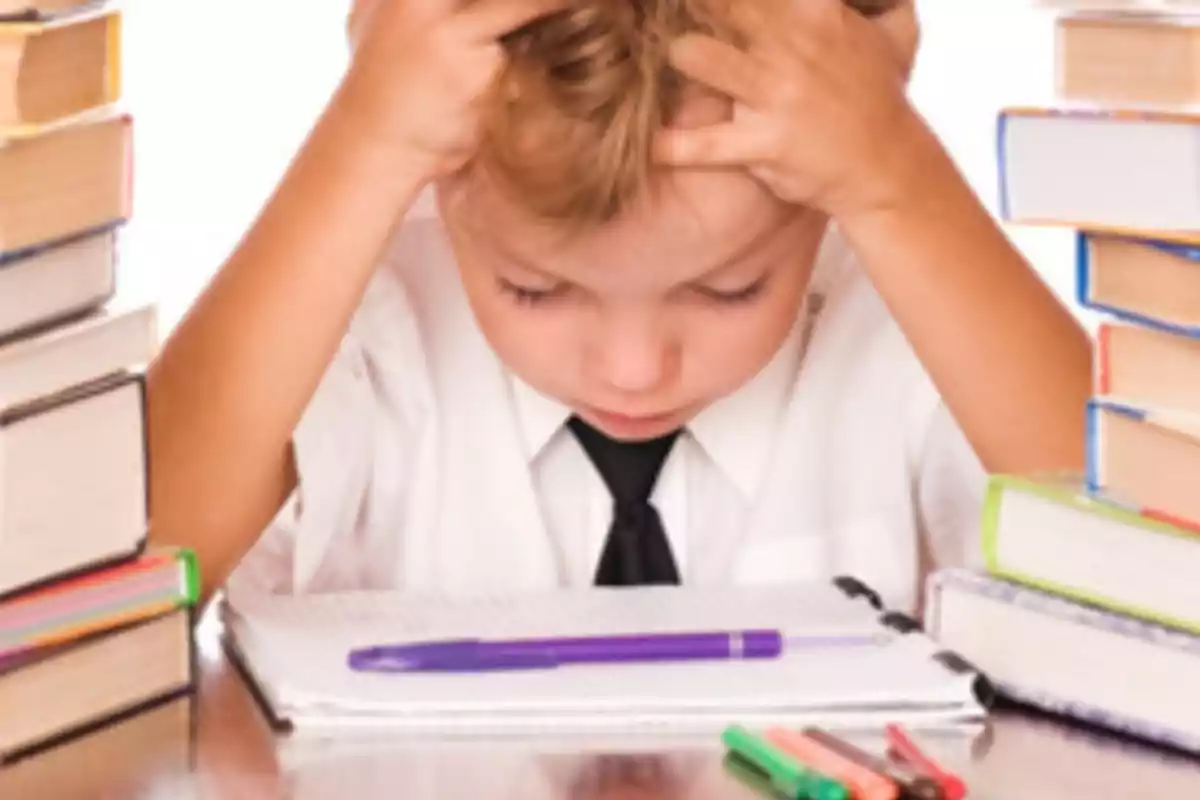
(1083,284)
(1002,166)
(1086,616)
(1094,455)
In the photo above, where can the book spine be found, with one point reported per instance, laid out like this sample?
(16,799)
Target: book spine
(15,257)
(190,567)
(1142,320)
(989,521)
(94,726)
(72,394)
(128,156)
(76,394)
(1083,282)
(1183,247)
(115,560)
(1113,114)
(1179,424)
(1003,204)
(1083,269)
(113,77)
(114,716)
(1102,381)
(143,399)
(1093,448)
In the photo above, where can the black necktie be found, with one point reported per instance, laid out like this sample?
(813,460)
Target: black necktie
(636,550)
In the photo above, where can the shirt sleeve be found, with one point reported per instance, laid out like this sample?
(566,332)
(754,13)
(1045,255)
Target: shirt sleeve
(350,490)
(950,488)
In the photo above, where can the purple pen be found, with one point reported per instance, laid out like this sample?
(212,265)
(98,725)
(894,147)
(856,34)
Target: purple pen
(654,646)
(480,655)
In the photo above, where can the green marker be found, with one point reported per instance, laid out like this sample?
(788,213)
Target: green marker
(785,774)
(751,776)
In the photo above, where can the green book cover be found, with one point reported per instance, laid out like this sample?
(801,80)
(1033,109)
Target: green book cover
(1070,491)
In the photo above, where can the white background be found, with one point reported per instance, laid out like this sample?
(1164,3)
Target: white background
(224,91)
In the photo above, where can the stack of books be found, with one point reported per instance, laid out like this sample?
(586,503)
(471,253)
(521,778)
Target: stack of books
(1089,604)
(94,626)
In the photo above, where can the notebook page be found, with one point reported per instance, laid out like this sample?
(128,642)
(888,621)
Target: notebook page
(375,617)
(298,647)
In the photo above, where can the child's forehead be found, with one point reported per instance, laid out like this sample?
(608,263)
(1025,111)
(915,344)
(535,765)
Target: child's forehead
(696,218)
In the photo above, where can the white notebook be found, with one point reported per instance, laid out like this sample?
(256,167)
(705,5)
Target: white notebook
(294,650)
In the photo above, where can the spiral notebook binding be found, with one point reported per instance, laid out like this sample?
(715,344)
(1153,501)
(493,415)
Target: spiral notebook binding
(984,690)
(854,588)
(901,623)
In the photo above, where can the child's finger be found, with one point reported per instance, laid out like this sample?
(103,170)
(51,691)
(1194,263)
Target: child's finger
(719,66)
(488,20)
(725,144)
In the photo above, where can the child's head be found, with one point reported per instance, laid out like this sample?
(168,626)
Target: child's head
(635,295)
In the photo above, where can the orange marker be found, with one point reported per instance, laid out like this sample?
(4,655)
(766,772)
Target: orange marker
(862,782)
(903,747)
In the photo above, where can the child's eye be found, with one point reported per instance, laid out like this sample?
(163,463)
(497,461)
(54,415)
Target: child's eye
(531,296)
(732,296)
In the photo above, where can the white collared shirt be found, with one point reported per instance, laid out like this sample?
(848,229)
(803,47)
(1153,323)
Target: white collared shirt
(424,464)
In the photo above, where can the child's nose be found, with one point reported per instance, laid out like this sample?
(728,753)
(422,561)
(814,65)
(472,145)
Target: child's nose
(635,361)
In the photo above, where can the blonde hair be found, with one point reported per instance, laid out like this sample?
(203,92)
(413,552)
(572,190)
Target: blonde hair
(573,118)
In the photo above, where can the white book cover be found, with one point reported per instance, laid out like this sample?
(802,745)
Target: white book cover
(1105,668)
(63,357)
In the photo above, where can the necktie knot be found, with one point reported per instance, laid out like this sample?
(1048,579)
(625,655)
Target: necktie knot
(636,515)
(629,469)
(636,550)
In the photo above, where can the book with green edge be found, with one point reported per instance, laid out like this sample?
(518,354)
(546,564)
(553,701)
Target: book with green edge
(1050,533)
(156,582)
(191,574)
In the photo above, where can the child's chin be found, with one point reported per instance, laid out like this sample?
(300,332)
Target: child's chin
(634,428)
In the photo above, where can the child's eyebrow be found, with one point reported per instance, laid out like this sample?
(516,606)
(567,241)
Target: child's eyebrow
(518,259)
(743,250)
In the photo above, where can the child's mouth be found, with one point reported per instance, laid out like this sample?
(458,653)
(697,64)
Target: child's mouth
(633,426)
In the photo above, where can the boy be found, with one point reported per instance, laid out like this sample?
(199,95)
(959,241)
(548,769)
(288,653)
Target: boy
(703,301)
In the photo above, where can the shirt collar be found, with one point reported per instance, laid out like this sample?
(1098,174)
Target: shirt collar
(736,432)
(539,417)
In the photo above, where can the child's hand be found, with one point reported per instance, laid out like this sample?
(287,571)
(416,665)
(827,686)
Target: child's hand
(420,69)
(820,112)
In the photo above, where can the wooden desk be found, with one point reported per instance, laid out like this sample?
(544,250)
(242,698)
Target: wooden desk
(233,754)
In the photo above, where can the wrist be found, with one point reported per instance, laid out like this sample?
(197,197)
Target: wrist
(906,176)
(935,205)
(354,116)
